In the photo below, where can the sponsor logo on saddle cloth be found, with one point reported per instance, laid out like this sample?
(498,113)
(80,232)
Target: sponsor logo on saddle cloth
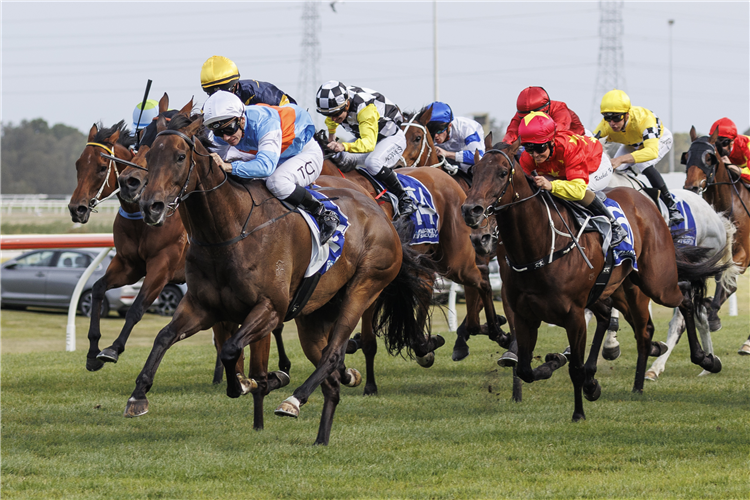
(425,217)
(624,250)
(324,256)
(686,230)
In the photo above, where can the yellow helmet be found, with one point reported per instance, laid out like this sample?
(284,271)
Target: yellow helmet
(615,101)
(218,70)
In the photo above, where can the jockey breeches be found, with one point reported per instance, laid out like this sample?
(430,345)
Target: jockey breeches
(301,169)
(387,153)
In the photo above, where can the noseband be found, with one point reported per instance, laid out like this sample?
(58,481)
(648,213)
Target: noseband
(93,202)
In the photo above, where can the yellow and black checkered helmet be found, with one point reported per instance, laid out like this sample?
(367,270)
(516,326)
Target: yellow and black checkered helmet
(218,72)
(615,101)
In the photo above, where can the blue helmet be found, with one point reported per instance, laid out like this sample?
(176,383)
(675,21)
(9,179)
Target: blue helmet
(442,116)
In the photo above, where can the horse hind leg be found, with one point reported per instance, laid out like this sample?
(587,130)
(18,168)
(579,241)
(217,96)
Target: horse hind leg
(676,328)
(698,356)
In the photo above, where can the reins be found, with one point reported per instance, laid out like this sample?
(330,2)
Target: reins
(95,201)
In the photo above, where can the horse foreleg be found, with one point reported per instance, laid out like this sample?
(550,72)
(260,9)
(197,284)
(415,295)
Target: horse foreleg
(591,388)
(331,389)
(469,326)
(575,327)
(637,314)
(222,332)
(285,365)
(369,349)
(187,321)
(698,356)
(611,346)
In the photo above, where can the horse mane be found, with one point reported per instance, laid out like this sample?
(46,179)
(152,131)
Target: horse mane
(125,138)
(180,121)
(414,115)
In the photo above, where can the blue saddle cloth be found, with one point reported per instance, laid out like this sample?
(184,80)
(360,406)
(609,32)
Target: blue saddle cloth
(336,243)
(687,229)
(425,217)
(624,250)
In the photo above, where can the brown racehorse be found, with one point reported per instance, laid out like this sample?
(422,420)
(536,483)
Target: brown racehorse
(249,255)
(707,175)
(555,287)
(454,257)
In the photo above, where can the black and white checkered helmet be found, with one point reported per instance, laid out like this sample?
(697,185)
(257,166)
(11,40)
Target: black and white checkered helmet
(331,98)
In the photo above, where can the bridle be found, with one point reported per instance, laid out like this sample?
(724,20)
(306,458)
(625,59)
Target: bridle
(112,165)
(183,195)
(425,145)
(495,206)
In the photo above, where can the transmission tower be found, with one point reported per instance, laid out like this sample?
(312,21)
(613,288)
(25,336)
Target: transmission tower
(308,73)
(610,74)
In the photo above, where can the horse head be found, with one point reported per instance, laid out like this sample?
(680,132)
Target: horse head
(171,161)
(493,174)
(132,181)
(94,171)
(420,148)
(701,161)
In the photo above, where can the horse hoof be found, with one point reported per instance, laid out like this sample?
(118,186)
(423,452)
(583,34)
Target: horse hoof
(715,366)
(745,349)
(577,417)
(593,395)
(93,365)
(108,355)
(611,353)
(355,378)
(503,340)
(288,408)
(426,361)
(459,354)
(136,407)
(283,378)
(651,375)
(508,360)
(438,341)
(658,348)
(704,373)
(354,344)
(556,356)
(247,385)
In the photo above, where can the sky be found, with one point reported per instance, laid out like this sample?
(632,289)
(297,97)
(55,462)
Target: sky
(78,63)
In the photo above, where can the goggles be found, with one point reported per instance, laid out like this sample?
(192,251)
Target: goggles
(613,117)
(724,142)
(220,129)
(530,147)
(540,108)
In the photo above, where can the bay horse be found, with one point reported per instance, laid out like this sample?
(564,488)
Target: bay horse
(708,176)
(711,230)
(248,256)
(552,279)
(453,256)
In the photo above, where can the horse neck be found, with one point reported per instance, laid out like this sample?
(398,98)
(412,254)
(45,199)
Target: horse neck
(720,194)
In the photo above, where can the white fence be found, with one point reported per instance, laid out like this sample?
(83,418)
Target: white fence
(46,204)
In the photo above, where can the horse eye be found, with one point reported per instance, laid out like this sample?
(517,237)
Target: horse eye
(181,157)
(418,138)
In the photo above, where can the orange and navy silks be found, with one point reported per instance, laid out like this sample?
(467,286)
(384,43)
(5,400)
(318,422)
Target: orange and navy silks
(564,117)
(740,155)
(574,157)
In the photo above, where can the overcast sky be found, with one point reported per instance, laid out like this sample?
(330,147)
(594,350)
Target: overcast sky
(79,63)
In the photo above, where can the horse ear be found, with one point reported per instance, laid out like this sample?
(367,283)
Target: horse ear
(114,137)
(693,134)
(514,147)
(426,116)
(163,103)
(193,128)
(488,141)
(714,137)
(161,124)
(477,156)
(187,108)
(92,132)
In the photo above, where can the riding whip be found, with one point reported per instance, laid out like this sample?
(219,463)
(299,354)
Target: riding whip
(143,105)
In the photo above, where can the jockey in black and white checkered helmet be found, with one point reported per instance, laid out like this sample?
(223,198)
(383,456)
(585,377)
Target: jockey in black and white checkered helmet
(375,121)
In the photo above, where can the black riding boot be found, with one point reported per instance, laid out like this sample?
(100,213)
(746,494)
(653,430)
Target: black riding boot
(618,233)
(388,177)
(328,221)
(657,181)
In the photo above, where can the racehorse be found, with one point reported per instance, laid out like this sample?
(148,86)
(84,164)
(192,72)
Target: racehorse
(712,230)
(552,280)
(453,255)
(247,258)
(708,176)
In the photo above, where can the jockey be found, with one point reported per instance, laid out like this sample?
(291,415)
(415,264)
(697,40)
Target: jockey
(376,123)
(459,137)
(644,141)
(141,120)
(220,73)
(570,166)
(536,99)
(271,143)
(733,147)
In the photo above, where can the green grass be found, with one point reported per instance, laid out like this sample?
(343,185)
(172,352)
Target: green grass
(450,431)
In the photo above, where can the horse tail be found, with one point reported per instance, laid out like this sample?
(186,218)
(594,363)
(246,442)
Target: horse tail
(695,267)
(728,279)
(402,303)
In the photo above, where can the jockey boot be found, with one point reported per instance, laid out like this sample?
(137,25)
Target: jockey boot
(657,181)
(597,207)
(327,220)
(389,179)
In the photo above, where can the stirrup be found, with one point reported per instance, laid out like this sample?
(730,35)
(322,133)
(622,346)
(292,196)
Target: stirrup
(618,235)
(328,221)
(406,206)
(675,217)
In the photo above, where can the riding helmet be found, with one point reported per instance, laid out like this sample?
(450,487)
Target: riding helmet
(331,98)
(150,112)
(726,127)
(222,106)
(532,99)
(442,116)
(615,101)
(219,71)
(536,128)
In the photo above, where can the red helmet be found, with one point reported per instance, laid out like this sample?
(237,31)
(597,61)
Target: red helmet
(726,127)
(532,99)
(536,128)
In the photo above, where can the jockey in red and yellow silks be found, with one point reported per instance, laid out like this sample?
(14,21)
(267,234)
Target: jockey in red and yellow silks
(737,145)
(536,99)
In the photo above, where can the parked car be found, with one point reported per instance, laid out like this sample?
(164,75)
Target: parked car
(164,305)
(47,278)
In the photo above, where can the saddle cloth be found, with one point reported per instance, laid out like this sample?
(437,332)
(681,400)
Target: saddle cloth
(686,231)
(325,256)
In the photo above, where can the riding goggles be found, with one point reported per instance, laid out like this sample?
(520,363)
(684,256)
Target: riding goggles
(530,147)
(540,108)
(724,142)
(220,129)
(613,117)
